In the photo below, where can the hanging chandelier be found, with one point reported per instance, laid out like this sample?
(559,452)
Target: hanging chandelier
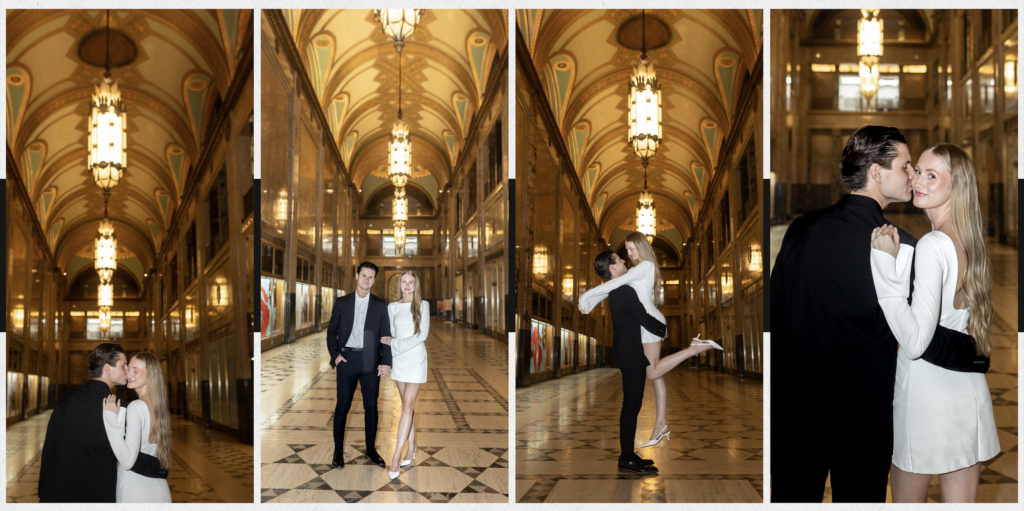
(399,236)
(108,129)
(398,23)
(105,320)
(106,250)
(644,104)
(870,29)
(646,217)
(399,145)
(400,206)
(106,295)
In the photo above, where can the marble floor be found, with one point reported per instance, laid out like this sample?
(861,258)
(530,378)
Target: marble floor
(567,440)
(461,426)
(999,476)
(207,465)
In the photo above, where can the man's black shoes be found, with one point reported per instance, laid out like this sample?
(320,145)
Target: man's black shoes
(374,457)
(638,466)
(339,459)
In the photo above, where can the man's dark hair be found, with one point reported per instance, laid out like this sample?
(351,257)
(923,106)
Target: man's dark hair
(868,145)
(369,265)
(602,262)
(107,353)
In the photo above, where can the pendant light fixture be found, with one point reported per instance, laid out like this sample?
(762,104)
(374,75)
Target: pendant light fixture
(398,24)
(108,129)
(646,216)
(870,29)
(399,145)
(106,248)
(644,104)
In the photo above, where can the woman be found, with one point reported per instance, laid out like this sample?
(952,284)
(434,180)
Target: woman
(148,431)
(942,420)
(410,323)
(645,278)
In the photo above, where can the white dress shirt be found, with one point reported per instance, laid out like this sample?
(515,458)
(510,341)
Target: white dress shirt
(355,340)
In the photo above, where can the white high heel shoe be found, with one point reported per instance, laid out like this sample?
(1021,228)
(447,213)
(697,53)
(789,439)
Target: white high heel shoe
(394,475)
(713,344)
(406,463)
(664,433)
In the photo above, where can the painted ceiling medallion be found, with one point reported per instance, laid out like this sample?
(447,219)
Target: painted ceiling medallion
(635,32)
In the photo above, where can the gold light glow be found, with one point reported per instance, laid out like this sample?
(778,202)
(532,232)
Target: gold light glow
(644,103)
(567,285)
(18,318)
(108,136)
(104,319)
(1010,75)
(754,263)
(106,295)
(540,260)
(399,155)
(106,251)
(869,33)
(646,216)
(399,235)
(400,207)
(869,77)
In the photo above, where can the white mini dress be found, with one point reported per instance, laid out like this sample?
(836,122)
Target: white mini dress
(408,351)
(942,419)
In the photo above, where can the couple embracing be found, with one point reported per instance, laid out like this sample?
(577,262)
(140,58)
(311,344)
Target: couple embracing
(874,375)
(368,340)
(97,451)
(636,346)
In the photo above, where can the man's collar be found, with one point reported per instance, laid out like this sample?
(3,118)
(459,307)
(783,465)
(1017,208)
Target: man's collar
(861,200)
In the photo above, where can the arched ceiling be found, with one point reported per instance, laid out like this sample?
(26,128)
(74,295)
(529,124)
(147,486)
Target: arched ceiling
(185,59)
(585,70)
(353,67)
(917,25)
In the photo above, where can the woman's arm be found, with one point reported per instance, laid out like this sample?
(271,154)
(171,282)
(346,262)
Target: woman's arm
(913,325)
(594,296)
(126,447)
(403,344)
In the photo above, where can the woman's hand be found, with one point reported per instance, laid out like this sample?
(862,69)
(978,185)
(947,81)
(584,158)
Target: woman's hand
(887,239)
(386,340)
(580,307)
(111,403)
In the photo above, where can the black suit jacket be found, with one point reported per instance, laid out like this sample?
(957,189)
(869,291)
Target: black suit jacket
(833,355)
(78,464)
(377,325)
(628,315)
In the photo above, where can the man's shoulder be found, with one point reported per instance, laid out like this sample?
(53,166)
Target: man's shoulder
(905,237)
(623,292)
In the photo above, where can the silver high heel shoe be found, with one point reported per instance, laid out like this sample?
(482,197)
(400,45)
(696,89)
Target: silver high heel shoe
(713,344)
(406,463)
(664,433)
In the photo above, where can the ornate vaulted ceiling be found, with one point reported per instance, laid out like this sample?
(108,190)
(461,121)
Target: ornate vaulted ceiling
(585,69)
(185,61)
(901,25)
(353,67)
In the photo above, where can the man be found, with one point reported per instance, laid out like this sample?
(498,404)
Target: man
(628,316)
(78,464)
(358,322)
(833,355)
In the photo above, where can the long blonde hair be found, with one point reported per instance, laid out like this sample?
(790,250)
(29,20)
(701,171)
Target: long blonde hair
(646,253)
(417,299)
(158,398)
(968,224)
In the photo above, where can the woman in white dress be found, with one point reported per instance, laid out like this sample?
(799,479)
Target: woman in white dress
(942,420)
(410,323)
(148,431)
(645,278)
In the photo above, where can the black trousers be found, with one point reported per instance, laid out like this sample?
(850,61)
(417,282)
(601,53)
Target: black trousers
(349,374)
(802,459)
(633,381)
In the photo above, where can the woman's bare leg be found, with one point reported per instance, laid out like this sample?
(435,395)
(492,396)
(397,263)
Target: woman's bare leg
(405,424)
(908,487)
(653,352)
(961,485)
(670,362)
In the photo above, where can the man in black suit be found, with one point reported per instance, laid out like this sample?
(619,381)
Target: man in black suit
(628,316)
(833,355)
(78,464)
(358,322)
